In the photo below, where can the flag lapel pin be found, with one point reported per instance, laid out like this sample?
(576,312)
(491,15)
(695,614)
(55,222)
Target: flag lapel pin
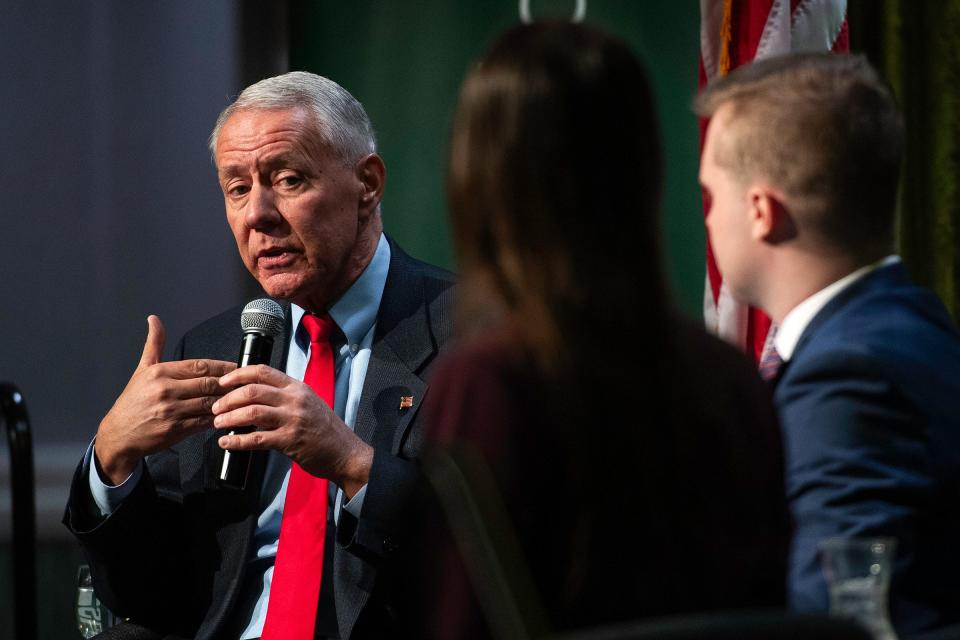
(406,402)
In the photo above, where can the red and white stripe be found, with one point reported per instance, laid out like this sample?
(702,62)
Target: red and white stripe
(733,33)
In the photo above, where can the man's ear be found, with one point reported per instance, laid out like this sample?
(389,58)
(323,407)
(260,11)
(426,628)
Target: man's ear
(770,219)
(372,176)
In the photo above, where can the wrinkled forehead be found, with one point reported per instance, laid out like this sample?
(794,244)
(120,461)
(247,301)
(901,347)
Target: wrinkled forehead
(251,121)
(258,131)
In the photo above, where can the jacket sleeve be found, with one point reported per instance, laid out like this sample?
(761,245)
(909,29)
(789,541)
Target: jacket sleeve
(137,553)
(857,464)
(378,532)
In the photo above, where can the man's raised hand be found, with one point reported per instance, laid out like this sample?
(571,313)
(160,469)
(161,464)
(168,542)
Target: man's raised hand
(163,403)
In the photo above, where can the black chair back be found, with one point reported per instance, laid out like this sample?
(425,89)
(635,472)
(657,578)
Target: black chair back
(483,533)
(730,625)
(13,412)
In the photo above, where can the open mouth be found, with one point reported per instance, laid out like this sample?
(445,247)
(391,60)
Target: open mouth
(274,257)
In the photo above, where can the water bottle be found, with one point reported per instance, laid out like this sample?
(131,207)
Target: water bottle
(92,616)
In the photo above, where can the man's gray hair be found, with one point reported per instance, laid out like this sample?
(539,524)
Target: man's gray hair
(340,119)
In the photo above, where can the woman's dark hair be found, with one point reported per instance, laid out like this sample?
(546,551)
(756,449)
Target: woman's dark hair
(554,184)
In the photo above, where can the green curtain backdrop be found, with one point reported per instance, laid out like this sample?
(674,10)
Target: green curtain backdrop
(922,58)
(405,59)
(916,44)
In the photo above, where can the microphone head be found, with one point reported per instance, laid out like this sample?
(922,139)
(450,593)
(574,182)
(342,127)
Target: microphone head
(262,315)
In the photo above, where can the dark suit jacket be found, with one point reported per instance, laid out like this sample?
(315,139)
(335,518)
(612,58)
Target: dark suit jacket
(173,556)
(870,409)
(692,512)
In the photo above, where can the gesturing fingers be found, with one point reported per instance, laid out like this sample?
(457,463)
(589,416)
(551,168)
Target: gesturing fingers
(199,368)
(259,374)
(158,389)
(250,405)
(260,391)
(249,441)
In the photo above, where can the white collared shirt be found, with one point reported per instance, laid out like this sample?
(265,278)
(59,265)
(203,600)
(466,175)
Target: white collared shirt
(797,320)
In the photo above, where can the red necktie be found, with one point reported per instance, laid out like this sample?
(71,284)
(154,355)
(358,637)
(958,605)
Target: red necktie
(295,589)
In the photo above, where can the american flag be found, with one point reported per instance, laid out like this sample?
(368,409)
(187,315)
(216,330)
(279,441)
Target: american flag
(733,33)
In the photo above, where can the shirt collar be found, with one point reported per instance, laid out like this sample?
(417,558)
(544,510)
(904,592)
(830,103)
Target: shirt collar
(795,322)
(356,310)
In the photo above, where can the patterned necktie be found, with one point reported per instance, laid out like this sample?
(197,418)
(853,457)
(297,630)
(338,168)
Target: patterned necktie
(295,589)
(770,360)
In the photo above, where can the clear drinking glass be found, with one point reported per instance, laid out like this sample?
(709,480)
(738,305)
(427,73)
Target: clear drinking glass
(857,571)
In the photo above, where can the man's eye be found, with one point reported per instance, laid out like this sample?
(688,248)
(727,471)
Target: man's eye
(290,181)
(238,190)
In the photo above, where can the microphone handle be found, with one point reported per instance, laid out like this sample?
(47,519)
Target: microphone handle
(254,349)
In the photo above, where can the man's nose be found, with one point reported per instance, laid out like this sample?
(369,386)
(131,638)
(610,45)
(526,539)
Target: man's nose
(262,210)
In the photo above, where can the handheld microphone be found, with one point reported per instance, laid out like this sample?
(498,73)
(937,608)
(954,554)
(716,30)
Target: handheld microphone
(261,321)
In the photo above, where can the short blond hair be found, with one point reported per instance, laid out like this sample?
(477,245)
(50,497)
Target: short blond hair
(825,129)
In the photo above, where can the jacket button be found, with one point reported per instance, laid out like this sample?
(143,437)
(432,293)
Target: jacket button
(389,545)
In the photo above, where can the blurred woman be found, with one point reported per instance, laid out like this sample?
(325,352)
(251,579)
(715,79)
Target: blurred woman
(638,458)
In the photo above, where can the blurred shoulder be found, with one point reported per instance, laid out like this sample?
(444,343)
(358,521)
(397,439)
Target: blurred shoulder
(478,386)
(704,355)
(491,360)
(721,385)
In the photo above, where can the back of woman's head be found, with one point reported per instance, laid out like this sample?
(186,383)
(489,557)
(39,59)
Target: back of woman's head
(554,186)
(554,183)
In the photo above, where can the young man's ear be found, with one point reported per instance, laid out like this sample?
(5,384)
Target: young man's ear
(372,175)
(770,219)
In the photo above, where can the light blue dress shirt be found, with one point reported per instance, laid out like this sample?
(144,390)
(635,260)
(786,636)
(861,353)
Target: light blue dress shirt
(355,314)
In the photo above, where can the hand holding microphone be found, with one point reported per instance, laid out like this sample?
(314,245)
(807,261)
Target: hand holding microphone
(261,320)
(289,417)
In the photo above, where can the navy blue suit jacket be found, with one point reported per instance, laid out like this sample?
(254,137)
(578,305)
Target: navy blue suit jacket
(172,557)
(869,405)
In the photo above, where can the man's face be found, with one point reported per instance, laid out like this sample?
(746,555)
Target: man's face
(728,213)
(294,207)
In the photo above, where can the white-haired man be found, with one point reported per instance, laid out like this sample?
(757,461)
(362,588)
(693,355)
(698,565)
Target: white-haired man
(174,550)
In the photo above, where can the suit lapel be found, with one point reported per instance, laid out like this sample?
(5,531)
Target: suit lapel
(391,396)
(402,343)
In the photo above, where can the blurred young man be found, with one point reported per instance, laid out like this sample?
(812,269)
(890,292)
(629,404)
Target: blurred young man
(801,164)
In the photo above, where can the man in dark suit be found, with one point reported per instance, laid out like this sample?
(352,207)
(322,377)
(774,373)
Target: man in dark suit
(173,549)
(801,164)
